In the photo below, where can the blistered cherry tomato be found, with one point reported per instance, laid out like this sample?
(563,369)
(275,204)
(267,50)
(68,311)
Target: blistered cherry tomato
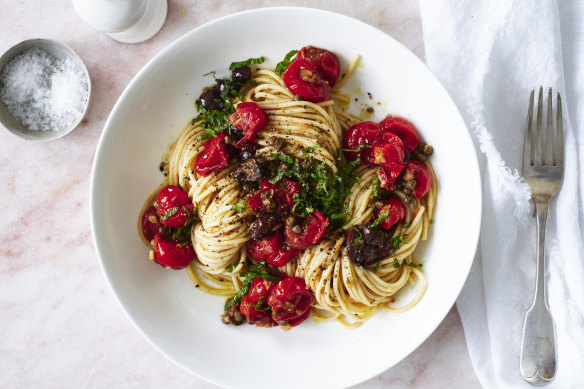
(259,317)
(389,151)
(290,301)
(271,249)
(170,253)
(174,206)
(262,250)
(254,305)
(249,118)
(417,170)
(282,193)
(403,128)
(260,289)
(389,176)
(305,80)
(362,136)
(215,156)
(312,230)
(150,224)
(325,61)
(397,212)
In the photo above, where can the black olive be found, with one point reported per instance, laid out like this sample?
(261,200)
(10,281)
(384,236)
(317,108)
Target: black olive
(235,132)
(242,74)
(221,85)
(211,100)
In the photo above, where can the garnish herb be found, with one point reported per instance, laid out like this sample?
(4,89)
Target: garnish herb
(230,268)
(255,271)
(361,147)
(213,121)
(311,149)
(242,208)
(358,232)
(283,157)
(257,306)
(169,213)
(249,61)
(320,188)
(375,186)
(377,266)
(432,221)
(283,65)
(396,241)
(418,265)
(380,219)
(396,263)
(407,225)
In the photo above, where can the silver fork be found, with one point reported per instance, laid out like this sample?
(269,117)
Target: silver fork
(543,169)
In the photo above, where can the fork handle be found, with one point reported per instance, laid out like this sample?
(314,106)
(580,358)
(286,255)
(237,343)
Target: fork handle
(538,346)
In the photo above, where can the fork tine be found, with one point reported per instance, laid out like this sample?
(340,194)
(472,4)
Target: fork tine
(559,146)
(538,132)
(528,153)
(547,157)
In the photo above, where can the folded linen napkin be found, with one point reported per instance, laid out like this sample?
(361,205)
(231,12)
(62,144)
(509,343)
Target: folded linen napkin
(489,55)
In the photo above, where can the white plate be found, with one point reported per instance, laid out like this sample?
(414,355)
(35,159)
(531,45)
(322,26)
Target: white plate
(181,321)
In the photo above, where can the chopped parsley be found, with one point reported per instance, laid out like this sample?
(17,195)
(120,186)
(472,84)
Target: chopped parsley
(375,186)
(396,263)
(380,219)
(377,266)
(310,149)
(249,61)
(397,241)
(242,208)
(432,221)
(417,265)
(169,213)
(320,188)
(283,65)
(255,271)
(361,147)
(230,268)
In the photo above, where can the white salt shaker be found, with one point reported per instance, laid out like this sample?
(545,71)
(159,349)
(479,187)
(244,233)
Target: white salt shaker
(127,21)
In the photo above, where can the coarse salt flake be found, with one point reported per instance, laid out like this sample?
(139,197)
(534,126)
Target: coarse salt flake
(42,92)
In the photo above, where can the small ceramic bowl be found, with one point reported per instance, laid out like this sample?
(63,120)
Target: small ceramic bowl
(59,51)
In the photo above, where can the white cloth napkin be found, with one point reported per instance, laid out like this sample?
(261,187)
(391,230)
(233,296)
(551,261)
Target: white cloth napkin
(489,55)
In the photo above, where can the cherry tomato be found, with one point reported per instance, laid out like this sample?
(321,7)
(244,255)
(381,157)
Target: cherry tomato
(215,156)
(389,151)
(249,118)
(169,253)
(397,212)
(174,206)
(357,138)
(283,193)
(254,305)
(259,317)
(271,249)
(417,170)
(282,257)
(389,176)
(325,61)
(312,230)
(260,288)
(150,224)
(284,190)
(403,128)
(290,300)
(262,250)
(305,80)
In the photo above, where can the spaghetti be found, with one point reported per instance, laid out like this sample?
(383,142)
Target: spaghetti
(343,289)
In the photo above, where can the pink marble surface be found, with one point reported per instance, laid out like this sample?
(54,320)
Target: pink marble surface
(60,325)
